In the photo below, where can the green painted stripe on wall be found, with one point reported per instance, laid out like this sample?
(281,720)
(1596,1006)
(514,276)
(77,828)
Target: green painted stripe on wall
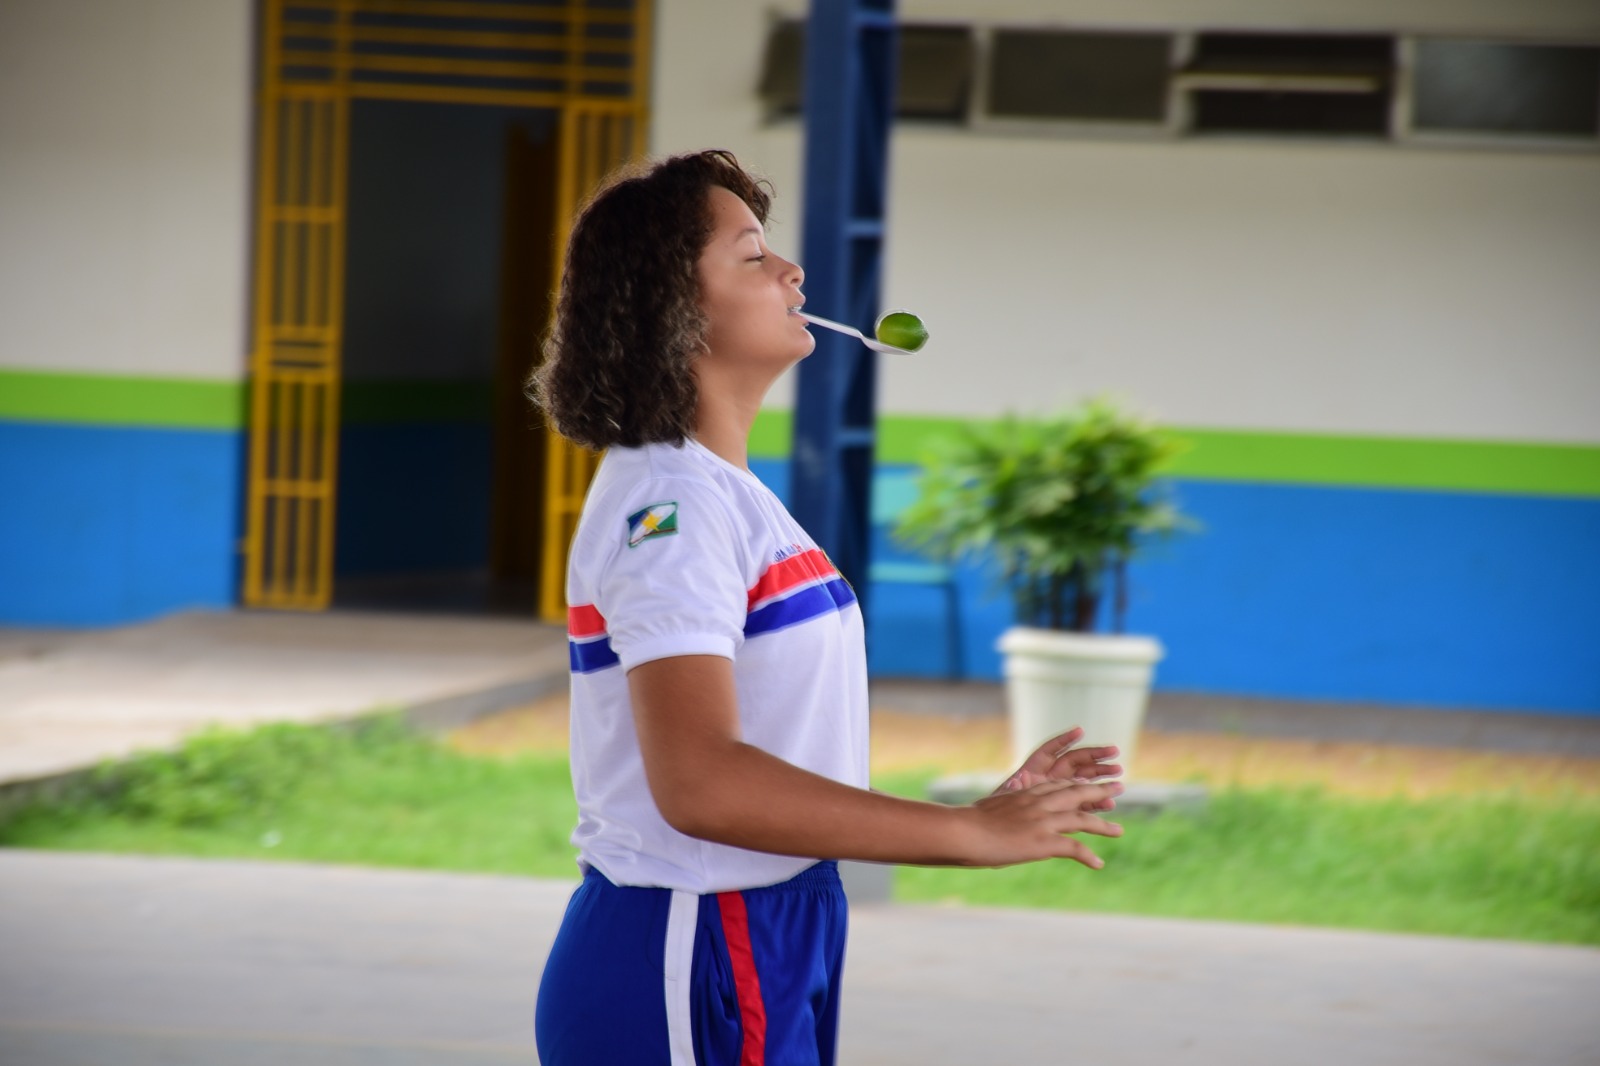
(903,438)
(196,403)
(99,399)
(1393,462)
(1299,458)
(772,435)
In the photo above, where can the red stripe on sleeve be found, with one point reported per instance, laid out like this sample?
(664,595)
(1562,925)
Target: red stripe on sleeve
(584,621)
(801,569)
(746,981)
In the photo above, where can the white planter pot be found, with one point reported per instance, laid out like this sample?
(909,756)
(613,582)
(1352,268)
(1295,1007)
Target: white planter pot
(1057,680)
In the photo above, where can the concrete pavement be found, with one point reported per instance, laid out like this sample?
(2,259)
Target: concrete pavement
(137,962)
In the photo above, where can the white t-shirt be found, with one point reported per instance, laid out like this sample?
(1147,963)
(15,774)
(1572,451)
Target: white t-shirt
(680,552)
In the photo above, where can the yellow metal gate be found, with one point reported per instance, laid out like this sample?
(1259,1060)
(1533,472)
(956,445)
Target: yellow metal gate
(594,140)
(588,60)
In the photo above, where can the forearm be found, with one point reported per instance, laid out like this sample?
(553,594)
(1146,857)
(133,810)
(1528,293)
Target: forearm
(709,784)
(748,798)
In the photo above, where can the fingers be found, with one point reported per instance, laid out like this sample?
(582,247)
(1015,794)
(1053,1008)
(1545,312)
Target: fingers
(1068,807)
(1086,772)
(1025,779)
(1034,823)
(1057,744)
(1063,796)
(1078,851)
(1091,755)
(1057,758)
(1045,755)
(1022,781)
(1086,761)
(1080,820)
(1098,826)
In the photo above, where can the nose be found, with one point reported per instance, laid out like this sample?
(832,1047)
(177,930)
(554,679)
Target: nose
(795,274)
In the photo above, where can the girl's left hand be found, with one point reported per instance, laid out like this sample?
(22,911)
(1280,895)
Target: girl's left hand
(1057,760)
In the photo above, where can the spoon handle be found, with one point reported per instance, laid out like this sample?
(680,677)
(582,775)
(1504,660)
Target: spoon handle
(818,320)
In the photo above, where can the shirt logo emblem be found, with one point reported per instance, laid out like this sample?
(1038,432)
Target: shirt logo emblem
(657,520)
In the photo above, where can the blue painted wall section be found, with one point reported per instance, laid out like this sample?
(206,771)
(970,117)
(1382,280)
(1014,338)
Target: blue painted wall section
(1430,598)
(1450,599)
(103,525)
(1484,601)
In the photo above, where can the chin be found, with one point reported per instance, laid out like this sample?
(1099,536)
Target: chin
(796,357)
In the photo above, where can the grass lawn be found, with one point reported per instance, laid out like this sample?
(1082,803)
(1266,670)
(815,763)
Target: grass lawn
(1507,865)
(375,795)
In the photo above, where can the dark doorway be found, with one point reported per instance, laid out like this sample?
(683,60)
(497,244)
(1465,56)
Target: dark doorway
(448,272)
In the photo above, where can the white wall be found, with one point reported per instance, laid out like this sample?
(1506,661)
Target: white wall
(1268,284)
(1254,285)
(124,185)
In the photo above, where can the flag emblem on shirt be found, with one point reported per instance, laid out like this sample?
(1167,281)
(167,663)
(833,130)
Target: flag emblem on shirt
(657,520)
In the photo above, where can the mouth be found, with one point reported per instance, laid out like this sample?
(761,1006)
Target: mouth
(794,309)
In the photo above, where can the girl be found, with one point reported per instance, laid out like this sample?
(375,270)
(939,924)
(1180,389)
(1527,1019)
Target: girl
(719,681)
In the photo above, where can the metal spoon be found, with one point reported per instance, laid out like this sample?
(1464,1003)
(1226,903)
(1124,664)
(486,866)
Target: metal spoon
(875,345)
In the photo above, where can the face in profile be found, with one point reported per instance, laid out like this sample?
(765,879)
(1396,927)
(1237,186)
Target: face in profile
(749,294)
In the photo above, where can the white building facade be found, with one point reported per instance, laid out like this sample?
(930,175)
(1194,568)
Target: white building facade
(1382,335)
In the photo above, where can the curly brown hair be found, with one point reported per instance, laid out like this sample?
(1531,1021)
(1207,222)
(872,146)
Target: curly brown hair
(618,360)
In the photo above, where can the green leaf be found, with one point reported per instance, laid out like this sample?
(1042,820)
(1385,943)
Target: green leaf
(1055,501)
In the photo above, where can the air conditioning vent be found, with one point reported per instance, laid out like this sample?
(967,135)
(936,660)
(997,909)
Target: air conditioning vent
(1323,85)
(934,77)
(1483,87)
(1079,76)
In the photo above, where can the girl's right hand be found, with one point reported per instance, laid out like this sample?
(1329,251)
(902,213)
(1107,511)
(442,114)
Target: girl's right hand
(1029,824)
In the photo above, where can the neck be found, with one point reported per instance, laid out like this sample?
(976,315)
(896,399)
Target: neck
(730,399)
(722,425)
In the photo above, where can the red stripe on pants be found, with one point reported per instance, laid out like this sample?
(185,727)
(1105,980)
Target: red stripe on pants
(746,982)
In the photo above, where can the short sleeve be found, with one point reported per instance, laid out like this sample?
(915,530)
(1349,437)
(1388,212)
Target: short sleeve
(674,579)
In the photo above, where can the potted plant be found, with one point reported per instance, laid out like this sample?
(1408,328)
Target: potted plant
(1060,506)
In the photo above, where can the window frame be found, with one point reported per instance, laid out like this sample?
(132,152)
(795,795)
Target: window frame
(981,119)
(1177,125)
(1407,134)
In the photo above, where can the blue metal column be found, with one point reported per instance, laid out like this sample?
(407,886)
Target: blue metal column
(849,104)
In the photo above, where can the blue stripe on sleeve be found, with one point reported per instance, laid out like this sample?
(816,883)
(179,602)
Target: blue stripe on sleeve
(591,655)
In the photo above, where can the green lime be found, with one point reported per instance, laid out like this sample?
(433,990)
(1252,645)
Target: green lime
(903,330)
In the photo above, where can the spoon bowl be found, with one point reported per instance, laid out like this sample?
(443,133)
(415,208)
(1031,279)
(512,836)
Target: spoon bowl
(875,345)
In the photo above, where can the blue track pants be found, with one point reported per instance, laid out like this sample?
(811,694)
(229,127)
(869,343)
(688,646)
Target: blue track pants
(647,976)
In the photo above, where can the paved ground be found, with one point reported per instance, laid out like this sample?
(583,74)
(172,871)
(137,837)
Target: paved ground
(114,961)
